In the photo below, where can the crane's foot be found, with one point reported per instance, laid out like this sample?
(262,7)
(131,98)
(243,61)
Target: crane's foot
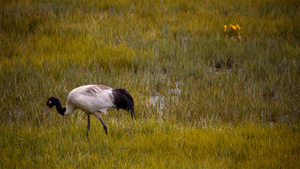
(105,128)
(88,126)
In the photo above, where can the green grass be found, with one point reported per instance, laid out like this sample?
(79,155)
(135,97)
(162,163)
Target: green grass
(150,144)
(238,105)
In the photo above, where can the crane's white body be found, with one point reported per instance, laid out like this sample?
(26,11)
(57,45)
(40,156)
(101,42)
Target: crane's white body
(92,99)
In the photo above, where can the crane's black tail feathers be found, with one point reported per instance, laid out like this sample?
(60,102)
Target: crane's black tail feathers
(123,100)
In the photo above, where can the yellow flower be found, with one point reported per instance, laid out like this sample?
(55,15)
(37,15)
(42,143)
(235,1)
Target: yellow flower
(225,28)
(233,27)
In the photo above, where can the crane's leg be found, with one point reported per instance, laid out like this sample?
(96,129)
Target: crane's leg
(104,126)
(88,126)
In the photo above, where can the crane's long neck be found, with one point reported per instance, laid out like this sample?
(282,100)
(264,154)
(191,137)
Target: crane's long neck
(61,110)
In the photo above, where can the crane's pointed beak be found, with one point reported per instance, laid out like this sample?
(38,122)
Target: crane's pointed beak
(46,111)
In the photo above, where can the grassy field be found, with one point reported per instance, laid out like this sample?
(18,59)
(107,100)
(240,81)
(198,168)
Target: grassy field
(215,83)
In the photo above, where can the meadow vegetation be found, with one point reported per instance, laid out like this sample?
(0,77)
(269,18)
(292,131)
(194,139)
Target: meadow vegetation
(222,100)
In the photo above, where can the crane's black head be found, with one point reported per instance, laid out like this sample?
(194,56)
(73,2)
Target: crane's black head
(52,101)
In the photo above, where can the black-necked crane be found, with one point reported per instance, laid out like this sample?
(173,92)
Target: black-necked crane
(95,100)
